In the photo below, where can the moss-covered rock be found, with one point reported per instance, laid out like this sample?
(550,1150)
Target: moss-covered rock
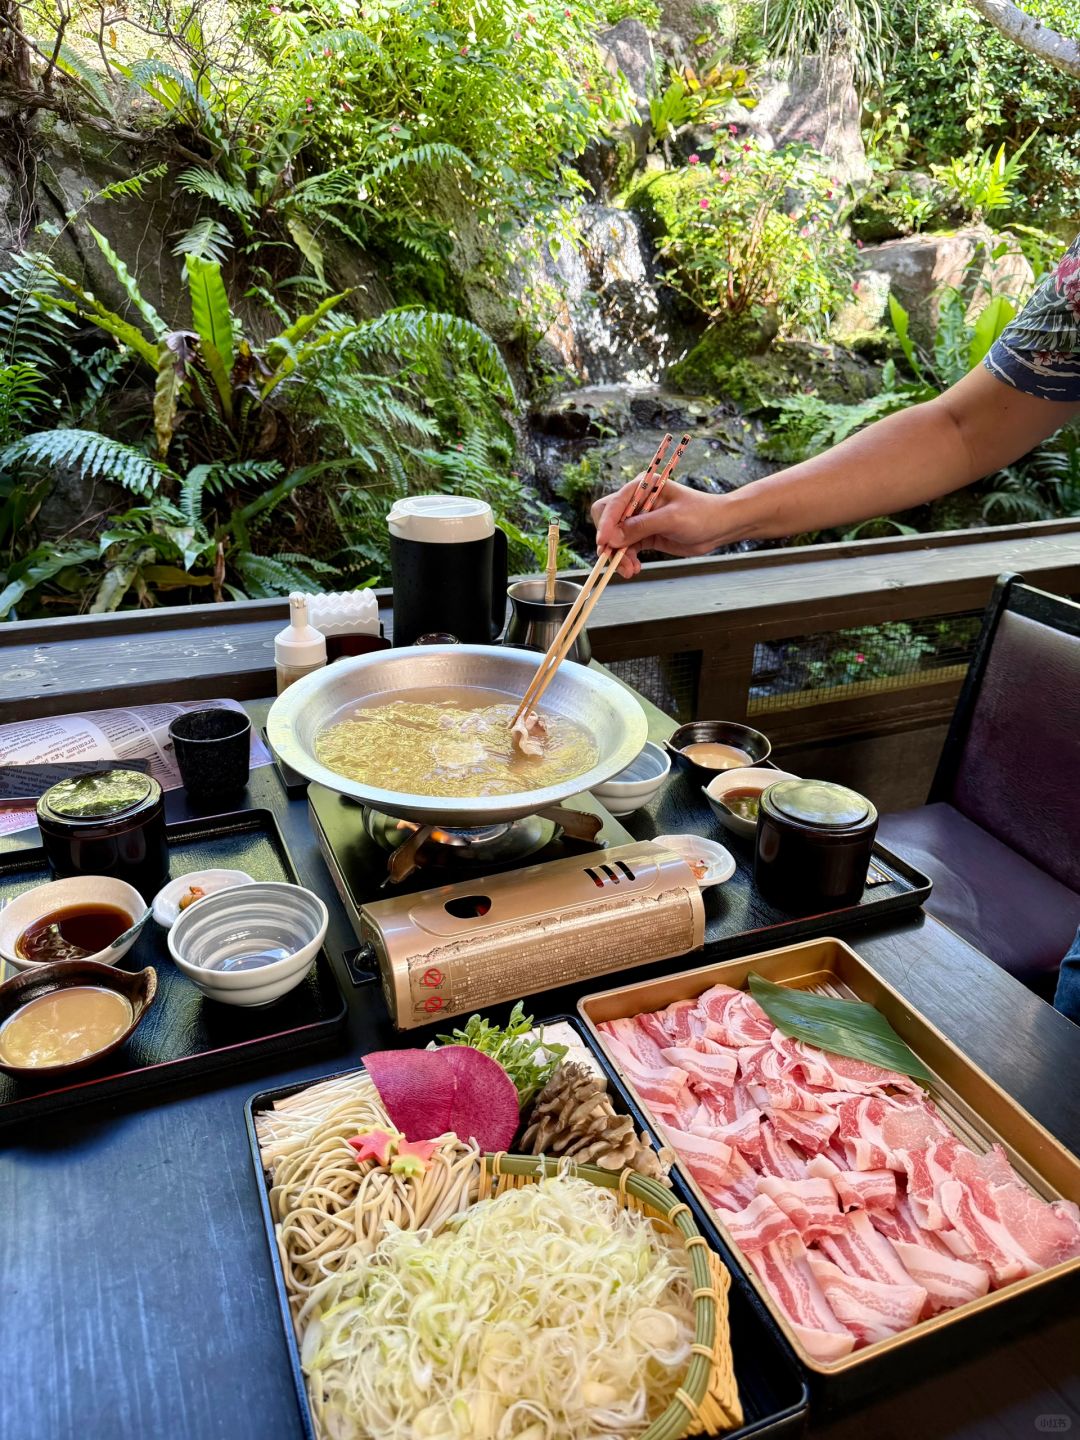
(757,380)
(659,196)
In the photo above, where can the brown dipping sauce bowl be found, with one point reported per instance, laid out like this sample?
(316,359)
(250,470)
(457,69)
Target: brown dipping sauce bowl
(138,990)
(814,842)
(111,822)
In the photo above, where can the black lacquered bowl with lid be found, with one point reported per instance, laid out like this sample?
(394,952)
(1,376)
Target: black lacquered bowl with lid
(111,822)
(814,843)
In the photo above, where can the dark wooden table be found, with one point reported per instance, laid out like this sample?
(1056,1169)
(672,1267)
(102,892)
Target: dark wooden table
(136,1298)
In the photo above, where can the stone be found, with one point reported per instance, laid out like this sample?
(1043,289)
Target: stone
(886,213)
(815,103)
(788,367)
(628,47)
(920,269)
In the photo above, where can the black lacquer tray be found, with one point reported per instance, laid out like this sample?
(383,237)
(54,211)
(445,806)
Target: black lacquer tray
(771,1387)
(185,1035)
(737,919)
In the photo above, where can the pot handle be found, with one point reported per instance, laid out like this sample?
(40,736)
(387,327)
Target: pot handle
(499,577)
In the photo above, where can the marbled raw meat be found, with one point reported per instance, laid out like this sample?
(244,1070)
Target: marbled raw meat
(757,1224)
(874,1128)
(839,1072)
(812,1129)
(810,1205)
(869,1310)
(718,1168)
(857,1189)
(733,1017)
(948,1282)
(709,1068)
(779,1156)
(784,1269)
(858,1249)
(743,1133)
(639,1058)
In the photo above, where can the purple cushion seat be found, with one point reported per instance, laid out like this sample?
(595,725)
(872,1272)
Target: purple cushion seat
(1001,903)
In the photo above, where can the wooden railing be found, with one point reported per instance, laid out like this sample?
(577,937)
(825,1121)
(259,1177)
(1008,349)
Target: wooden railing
(695,624)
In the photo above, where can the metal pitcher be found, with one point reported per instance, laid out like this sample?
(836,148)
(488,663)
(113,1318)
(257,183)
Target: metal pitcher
(534,623)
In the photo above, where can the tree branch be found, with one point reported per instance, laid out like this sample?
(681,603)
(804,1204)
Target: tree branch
(1060,51)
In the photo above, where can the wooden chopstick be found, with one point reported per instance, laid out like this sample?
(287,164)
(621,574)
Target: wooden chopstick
(633,504)
(647,494)
(552,562)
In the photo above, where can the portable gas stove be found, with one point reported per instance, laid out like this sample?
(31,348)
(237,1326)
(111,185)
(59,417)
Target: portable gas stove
(370,855)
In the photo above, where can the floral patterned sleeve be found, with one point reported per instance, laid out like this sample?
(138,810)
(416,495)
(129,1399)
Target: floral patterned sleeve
(1039,352)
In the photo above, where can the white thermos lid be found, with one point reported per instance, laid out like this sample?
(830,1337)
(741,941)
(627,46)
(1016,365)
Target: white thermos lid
(441,519)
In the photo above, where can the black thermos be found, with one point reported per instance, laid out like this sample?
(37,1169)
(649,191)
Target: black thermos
(448,566)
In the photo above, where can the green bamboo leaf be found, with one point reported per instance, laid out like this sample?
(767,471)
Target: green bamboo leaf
(210,313)
(992,320)
(901,322)
(843,1027)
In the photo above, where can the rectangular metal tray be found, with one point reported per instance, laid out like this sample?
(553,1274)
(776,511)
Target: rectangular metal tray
(737,918)
(184,1035)
(976,1108)
(773,1393)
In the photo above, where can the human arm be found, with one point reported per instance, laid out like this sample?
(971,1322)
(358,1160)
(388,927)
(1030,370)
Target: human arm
(976,427)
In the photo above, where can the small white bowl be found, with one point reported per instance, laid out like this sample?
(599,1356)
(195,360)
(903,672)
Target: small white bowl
(757,777)
(267,914)
(166,905)
(65,894)
(696,851)
(635,786)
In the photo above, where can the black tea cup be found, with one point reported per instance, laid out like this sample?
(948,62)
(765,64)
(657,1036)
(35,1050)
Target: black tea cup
(213,751)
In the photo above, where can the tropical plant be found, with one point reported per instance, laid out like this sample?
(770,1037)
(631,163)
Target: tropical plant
(754,232)
(870,652)
(691,93)
(860,31)
(985,182)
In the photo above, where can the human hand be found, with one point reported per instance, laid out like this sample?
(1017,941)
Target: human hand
(683,522)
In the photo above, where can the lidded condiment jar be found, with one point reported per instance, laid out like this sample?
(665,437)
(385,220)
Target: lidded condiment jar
(111,822)
(814,842)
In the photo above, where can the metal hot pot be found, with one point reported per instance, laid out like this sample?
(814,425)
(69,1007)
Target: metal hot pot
(615,719)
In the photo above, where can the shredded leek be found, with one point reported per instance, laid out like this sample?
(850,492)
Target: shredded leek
(547,1312)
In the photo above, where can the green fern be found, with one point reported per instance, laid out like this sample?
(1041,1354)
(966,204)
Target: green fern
(207,239)
(230,195)
(130,187)
(403,330)
(433,154)
(91,455)
(71,64)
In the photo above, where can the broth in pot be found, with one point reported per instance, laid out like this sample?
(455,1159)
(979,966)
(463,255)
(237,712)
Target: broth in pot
(450,742)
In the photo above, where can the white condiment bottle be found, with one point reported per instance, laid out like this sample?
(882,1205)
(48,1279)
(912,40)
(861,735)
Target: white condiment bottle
(299,648)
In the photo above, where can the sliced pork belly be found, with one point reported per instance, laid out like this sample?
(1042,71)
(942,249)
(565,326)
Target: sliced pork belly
(874,1128)
(718,1168)
(742,1133)
(810,1205)
(636,1054)
(757,1224)
(784,1269)
(838,1072)
(948,1282)
(733,1017)
(858,1249)
(714,1069)
(812,1129)
(870,1310)
(1048,1232)
(856,1189)
(779,1156)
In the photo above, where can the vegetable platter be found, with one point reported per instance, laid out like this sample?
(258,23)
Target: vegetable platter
(893,1207)
(433,1288)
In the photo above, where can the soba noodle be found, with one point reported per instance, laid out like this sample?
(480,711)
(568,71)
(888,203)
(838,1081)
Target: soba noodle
(330,1210)
(450,742)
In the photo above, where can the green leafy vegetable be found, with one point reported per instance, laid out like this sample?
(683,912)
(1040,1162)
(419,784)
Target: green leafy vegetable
(844,1027)
(526,1057)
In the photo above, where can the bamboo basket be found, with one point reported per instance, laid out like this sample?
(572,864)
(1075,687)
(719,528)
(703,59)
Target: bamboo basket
(707,1402)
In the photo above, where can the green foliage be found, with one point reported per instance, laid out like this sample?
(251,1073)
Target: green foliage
(859,30)
(870,652)
(754,233)
(967,90)
(647,11)
(689,96)
(985,182)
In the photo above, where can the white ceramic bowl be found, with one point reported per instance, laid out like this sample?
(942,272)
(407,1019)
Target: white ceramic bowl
(637,784)
(166,905)
(265,915)
(697,851)
(757,777)
(64,894)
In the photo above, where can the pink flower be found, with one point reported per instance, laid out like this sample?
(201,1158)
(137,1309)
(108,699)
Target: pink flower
(860,659)
(326,52)
(395,129)
(714,125)
(858,244)
(346,107)
(733,129)
(464,50)
(855,287)
(459,447)
(692,159)
(748,148)
(275,9)
(725,177)
(703,203)
(804,232)
(308,100)
(828,194)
